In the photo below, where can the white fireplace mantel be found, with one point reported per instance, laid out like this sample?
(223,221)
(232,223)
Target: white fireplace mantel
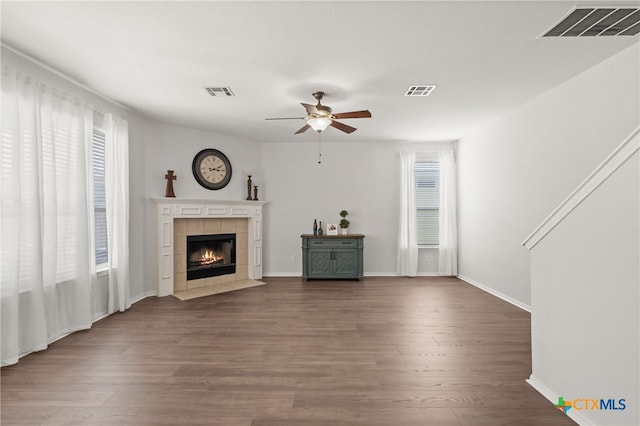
(169,209)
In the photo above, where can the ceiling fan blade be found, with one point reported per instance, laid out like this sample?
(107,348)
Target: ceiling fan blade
(303,129)
(342,126)
(286,118)
(354,114)
(311,109)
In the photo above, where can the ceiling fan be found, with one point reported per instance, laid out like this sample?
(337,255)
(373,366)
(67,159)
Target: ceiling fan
(319,117)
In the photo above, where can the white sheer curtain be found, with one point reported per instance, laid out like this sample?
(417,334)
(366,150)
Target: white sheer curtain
(448,249)
(407,235)
(117,192)
(45,255)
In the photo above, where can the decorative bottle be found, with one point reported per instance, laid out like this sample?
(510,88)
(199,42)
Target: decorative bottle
(315,227)
(320,228)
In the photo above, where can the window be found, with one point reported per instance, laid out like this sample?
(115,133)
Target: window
(59,168)
(99,195)
(427,174)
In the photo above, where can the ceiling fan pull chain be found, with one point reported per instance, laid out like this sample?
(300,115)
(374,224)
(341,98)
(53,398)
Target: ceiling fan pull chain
(319,152)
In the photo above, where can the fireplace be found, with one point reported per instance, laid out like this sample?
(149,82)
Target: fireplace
(210,255)
(178,218)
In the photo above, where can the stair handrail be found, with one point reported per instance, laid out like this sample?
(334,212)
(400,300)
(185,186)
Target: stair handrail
(619,156)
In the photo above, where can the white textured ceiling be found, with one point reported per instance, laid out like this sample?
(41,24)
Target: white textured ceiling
(485,57)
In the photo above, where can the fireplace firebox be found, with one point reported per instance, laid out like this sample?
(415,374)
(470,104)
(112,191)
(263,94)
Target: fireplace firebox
(210,255)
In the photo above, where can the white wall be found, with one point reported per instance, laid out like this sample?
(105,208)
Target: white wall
(362,178)
(170,147)
(585,299)
(359,177)
(515,171)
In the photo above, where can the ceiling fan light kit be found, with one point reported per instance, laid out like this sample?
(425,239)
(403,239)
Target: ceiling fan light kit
(319,123)
(319,117)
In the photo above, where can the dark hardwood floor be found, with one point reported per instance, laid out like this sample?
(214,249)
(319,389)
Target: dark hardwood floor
(383,351)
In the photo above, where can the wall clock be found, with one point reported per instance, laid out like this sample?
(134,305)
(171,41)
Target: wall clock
(211,168)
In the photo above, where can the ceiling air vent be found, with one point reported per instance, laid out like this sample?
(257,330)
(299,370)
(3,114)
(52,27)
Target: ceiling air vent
(424,90)
(219,91)
(590,22)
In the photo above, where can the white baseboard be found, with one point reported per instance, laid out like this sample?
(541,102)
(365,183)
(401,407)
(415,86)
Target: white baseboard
(366,274)
(143,296)
(542,389)
(552,396)
(299,274)
(281,274)
(496,293)
(380,274)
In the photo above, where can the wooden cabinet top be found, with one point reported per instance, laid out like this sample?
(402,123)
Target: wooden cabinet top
(332,236)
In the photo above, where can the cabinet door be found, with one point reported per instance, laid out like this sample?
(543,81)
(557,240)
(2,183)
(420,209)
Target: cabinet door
(320,263)
(345,263)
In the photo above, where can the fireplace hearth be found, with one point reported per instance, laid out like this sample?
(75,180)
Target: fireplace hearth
(210,255)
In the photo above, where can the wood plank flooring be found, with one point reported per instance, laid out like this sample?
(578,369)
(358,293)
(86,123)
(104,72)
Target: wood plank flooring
(383,351)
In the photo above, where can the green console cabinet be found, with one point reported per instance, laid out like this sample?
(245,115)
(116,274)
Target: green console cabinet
(332,256)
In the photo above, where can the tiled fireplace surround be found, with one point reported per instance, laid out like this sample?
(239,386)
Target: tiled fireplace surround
(179,218)
(189,227)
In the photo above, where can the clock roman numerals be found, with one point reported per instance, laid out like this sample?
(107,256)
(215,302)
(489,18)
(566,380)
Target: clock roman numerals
(212,169)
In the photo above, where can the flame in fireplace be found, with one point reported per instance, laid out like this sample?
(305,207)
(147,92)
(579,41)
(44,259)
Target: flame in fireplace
(210,257)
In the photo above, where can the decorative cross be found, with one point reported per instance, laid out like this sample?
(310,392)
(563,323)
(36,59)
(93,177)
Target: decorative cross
(170,177)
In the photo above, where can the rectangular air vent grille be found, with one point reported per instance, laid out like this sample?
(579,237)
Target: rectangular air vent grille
(219,91)
(590,22)
(423,90)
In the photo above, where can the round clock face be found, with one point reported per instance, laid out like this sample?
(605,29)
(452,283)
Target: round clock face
(211,168)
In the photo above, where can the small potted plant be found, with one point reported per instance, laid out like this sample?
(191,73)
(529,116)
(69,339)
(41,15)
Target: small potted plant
(344,222)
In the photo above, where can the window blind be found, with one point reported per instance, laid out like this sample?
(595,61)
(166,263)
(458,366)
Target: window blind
(99,195)
(427,175)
